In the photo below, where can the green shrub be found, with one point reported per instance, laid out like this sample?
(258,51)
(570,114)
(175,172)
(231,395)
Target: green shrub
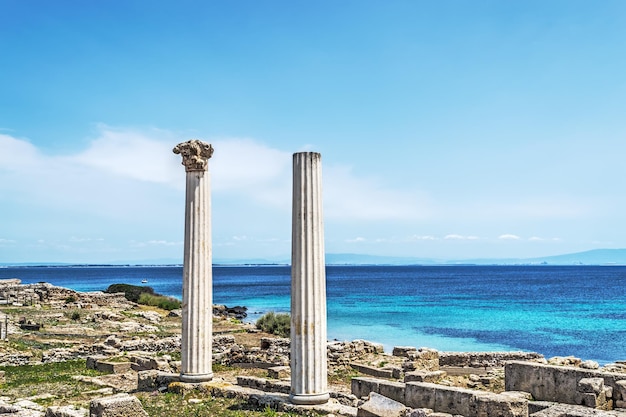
(131,292)
(161,301)
(75,316)
(278,324)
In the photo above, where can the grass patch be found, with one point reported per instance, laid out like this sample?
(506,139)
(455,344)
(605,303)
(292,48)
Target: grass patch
(57,372)
(278,324)
(160,301)
(26,345)
(169,404)
(343,376)
(48,378)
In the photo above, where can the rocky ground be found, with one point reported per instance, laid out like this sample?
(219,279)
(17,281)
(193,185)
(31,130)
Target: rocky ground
(88,345)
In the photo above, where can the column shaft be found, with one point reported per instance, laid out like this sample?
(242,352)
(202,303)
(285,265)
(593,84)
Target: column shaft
(308,284)
(197,331)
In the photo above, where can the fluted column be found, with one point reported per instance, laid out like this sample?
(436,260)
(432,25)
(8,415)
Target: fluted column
(197,264)
(308,283)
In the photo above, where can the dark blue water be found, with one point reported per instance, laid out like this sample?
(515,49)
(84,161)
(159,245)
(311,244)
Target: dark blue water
(554,310)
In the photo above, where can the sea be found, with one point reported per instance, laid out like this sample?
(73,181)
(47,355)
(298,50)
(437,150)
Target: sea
(554,310)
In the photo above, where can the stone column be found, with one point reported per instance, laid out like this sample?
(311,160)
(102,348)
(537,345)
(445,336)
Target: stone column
(308,284)
(197,335)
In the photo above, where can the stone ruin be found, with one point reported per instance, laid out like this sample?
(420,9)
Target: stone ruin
(413,387)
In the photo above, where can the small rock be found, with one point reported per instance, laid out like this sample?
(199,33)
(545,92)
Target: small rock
(590,365)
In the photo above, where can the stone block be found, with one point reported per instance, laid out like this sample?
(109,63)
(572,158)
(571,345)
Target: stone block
(420,395)
(93,360)
(380,406)
(587,399)
(396,371)
(561,383)
(152,380)
(361,387)
(252,382)
(113,367)
(619,392)
(122,405)
(66,411)
(393,390)
(279,372)
(283,387)
(590,365)
(501,406)
(544,382)
(591,385)
(537,406)
(372,371)
(403,351)
(140,363)
(424,376)
(464,402)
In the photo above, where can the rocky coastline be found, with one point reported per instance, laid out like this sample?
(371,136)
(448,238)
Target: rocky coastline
(137,350)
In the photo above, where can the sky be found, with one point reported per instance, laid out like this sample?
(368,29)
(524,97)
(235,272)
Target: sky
(448,129)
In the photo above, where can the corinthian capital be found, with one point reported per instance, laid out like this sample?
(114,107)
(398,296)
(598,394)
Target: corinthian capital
(195,154)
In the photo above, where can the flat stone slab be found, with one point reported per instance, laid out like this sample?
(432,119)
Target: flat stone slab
(261,399)
(122,405)
(560,410)
(380,406)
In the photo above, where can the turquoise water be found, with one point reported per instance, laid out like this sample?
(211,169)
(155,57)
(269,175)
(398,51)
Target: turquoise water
(554,310)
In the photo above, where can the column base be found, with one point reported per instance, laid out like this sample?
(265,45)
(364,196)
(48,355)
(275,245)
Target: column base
(309,399)
(195,378)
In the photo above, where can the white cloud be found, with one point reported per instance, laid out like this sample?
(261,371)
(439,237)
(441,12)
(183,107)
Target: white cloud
(108,175)
(153,243)
(348,197)
(542,239)
(251,169)
(460,237)
(358,239)
(143,156)
(415,238)
(508,236)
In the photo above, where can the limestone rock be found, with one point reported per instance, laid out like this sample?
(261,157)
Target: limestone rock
(66,411)
(381,406)
(121,405)
(403,351)
(564,361)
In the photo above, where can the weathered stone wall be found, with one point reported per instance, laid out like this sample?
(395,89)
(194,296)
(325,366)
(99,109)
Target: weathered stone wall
(563,384)
(11,291)
(343,353)
(469,403)
(443,399)
(485,359)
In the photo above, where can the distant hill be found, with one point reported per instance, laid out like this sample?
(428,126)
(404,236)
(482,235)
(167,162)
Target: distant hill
(360,259)
(590,257)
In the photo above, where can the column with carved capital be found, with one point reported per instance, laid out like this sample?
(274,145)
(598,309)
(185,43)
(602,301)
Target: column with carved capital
(308,284)
(197,264)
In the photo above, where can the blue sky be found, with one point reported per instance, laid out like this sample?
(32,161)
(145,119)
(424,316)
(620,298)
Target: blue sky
(448,129)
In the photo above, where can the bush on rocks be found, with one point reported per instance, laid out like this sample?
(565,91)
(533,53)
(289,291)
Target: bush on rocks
(278,324)
(144,295)
(131,292)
